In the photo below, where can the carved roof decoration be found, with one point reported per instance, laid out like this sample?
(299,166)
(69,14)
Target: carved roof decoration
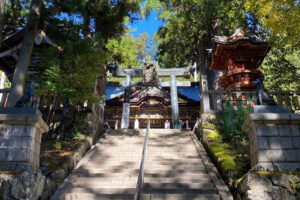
(238,47)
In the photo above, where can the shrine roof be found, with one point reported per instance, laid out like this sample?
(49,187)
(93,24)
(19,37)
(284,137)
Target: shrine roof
(192,92)
(113,92)
(238,47)
(10,49)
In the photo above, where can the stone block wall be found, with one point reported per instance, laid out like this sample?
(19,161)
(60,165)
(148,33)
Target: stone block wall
(20,141)
(274,141)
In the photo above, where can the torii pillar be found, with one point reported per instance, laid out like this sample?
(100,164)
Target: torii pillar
(126,104)
(174,102)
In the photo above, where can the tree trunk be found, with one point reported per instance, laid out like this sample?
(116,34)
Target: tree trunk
(2,6)
(63,122)
(18,82)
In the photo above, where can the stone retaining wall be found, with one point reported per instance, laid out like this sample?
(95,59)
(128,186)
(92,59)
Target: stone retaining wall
(255,186)
(55,177)
(274,141)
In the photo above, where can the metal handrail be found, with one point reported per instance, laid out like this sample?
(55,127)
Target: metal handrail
(140,181)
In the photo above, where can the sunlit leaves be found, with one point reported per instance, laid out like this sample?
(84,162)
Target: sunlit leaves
(280,17)
(190,26)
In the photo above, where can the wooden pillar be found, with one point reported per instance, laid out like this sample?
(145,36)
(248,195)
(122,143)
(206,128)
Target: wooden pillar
(205,104)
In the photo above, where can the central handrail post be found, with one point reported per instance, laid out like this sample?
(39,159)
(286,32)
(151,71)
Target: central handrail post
(140,181)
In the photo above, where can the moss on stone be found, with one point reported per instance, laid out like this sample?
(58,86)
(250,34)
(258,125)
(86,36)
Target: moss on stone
(209,126)
(270,174)
(227,162)
(213,135)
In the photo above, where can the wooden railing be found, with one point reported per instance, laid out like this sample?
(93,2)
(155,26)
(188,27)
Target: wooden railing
(286,99)
(140,181)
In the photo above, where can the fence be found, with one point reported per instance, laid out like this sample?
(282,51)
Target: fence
(286,99)
(235,106)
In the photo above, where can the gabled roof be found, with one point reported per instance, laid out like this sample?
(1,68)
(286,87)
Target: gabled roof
(10,50)
(192,93)
(113,92)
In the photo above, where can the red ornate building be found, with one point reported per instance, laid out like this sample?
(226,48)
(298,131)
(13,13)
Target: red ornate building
(239,57)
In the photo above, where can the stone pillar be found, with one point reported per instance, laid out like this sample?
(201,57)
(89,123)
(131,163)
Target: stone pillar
(126,104)
(205,104)
(274,138)
(136,124)
(20,138)
(174,102)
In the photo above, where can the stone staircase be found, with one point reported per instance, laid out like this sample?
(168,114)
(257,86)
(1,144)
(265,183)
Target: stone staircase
(174,170)
(109,170)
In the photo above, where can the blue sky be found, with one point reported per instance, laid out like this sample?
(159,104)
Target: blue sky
(149,25)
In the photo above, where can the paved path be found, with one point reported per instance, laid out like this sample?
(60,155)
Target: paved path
(176,168)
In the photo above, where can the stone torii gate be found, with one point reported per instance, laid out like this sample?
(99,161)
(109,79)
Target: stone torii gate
(150,74)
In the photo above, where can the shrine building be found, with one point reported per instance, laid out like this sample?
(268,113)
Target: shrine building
(155,101)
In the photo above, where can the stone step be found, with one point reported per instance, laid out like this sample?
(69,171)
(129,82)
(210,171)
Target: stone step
(180,171)
(107,175)
(180,197)
(166,161)
(107,182)
(103,190)
(184,146)
(166,138)
(176,180)
(125,142)
(174,163)
(89,196)
(116,165)
(180,185)
(109,169)
(171,148)
(137,159)
(115,158)
(156,166)
(117,169)
(97,163)
(178,191)
(172,156)
(185,175)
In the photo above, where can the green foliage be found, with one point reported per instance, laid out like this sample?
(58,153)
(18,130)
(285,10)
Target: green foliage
(280,17)
(57,145)
(234,118)
(14,16)
(103,18)
(281,69)
(129,52)
(70,74)
(209,126)
(190,26)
